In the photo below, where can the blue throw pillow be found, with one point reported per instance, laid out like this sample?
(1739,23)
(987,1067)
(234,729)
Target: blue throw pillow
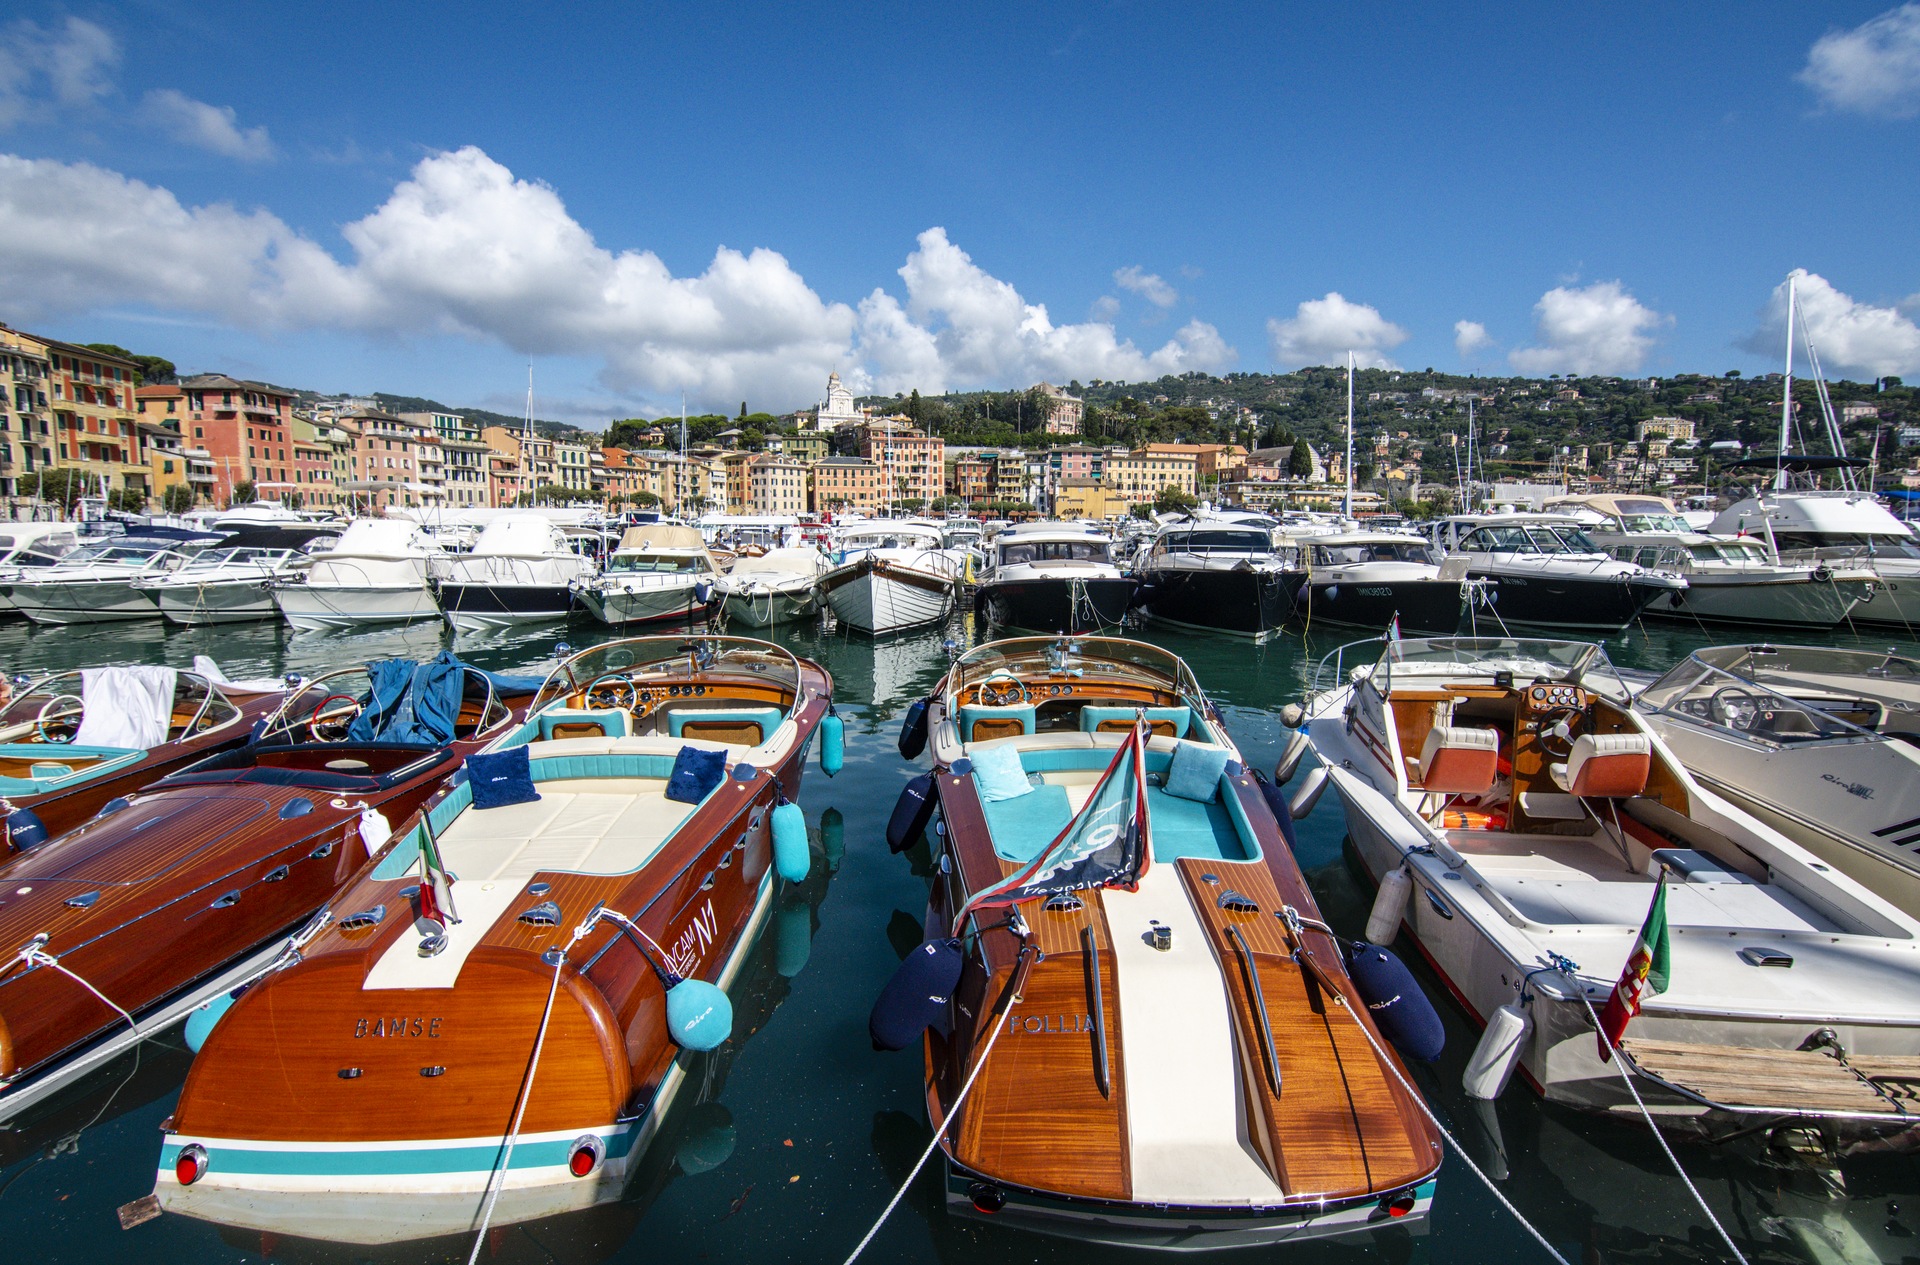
(997,772)
(695,773)
(1195,771)
(505,777)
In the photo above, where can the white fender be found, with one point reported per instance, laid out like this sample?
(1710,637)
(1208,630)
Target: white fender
(1499,1051)
(1389,906)
(1290,759)
(1309,793)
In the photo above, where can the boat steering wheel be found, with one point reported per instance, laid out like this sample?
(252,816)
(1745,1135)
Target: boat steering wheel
(1545,724)
(44,723)
(1003,689)
(605,691)
(331,726)
(1733,707)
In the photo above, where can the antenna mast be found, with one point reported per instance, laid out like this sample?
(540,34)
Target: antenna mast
(1349,509)
(1786,396)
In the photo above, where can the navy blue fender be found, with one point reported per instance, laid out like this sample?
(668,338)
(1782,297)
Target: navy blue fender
(917,995)
(913,730)
(1282,811)
(1399,1009)
(911,812)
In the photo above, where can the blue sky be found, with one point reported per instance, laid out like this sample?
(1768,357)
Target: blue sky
(733,202)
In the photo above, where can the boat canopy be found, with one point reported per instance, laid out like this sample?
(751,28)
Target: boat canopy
(522,536)
(671,658)
(796,561)
(662,536)
(382,538)
(1030,657)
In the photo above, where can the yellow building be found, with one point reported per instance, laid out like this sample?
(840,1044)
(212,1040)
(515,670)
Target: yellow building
(844,483)
(1083,498)
(95,422)
(1139,476)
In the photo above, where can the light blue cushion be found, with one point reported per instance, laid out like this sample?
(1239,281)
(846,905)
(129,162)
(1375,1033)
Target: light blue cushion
(765,717)
(1184,828)
(1195,771)
(998,774)
(1091,718)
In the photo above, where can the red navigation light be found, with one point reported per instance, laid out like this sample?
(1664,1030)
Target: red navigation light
(1399,1205)
(986,1197)
(190,1165)
(585,1157)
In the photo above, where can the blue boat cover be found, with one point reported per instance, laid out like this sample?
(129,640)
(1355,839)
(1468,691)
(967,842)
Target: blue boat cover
(411,702)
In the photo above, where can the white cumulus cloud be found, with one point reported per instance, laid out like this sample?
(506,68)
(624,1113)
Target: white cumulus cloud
(1469,337)
(981,332)
(211,127)
(466,248)
(1594,329)
(1323,331)
(72,64)
(1873,68)
(1853,339)
(1147,285)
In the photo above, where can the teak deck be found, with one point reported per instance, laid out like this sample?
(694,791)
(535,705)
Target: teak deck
(1788,1081)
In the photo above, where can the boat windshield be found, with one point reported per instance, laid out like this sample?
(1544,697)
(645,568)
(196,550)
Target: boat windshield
(1029,658)
(1529,538)
(1581,662)
(1783,695)
(1372,551)
(1214,540)
(1016,552)
(654,563)
(118,555)
(215,558)
(666,660)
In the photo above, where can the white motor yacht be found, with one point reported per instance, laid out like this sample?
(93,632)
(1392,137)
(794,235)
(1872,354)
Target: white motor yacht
(522,567)
(1730,579)
(661,571)
(1377,579)
(27,547)
(101,583)
(776,587)
(1542,571)
(1837,530)
(375,574)
(1053,578)
(231,582)
(1821,744)
(1518,812)
(891,576)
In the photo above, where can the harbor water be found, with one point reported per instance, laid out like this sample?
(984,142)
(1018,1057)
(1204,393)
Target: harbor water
(792,1136)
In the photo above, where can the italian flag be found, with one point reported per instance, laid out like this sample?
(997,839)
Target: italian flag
(1648,969)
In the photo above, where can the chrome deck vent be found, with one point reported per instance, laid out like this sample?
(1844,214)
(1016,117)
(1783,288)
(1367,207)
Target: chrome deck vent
(545,914)
(1064,903)
(364,919)
(1237,903)
(83,901)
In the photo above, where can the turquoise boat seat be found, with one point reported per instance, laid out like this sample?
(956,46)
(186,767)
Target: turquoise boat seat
(1092,718)
(717,722)
(611,722)
(1022,826)
(999,722)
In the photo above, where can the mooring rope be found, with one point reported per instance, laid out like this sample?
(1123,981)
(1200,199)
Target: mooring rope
(1566,970)
(999,1026)
(526,1084)
(35,954)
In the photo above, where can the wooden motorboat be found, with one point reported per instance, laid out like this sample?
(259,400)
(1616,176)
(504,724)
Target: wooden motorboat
(1525,823)
(72,741)
(174,894)
(504,1000)
(1167,1052)
(661,572)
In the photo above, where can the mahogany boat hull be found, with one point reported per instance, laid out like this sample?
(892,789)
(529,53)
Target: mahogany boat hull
(396,1070)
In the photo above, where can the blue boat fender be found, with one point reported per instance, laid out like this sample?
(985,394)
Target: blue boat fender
(1399,1009)
(911,812)
(699,1016)
(25,830)
(1282,811)
(791,856)
(702,592)
(913,730)
(917,995)
(833,743)
(201,1022)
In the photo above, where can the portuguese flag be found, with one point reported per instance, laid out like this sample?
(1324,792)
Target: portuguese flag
(1648,969)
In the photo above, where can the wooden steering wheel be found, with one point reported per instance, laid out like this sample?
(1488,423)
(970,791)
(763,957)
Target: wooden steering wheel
(336,721)
(1002,689)
(604,691)
(43,723)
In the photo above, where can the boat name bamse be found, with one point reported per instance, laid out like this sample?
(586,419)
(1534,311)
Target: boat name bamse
(418,1026)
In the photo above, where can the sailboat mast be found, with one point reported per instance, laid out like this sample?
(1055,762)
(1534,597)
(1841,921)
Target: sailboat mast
(1349,466)
(1786,396)
(526,444)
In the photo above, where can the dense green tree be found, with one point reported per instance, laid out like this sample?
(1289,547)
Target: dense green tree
(243,493)
(151,368)
(1172,500)
(1300,460)
(127,501)
(178,498)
